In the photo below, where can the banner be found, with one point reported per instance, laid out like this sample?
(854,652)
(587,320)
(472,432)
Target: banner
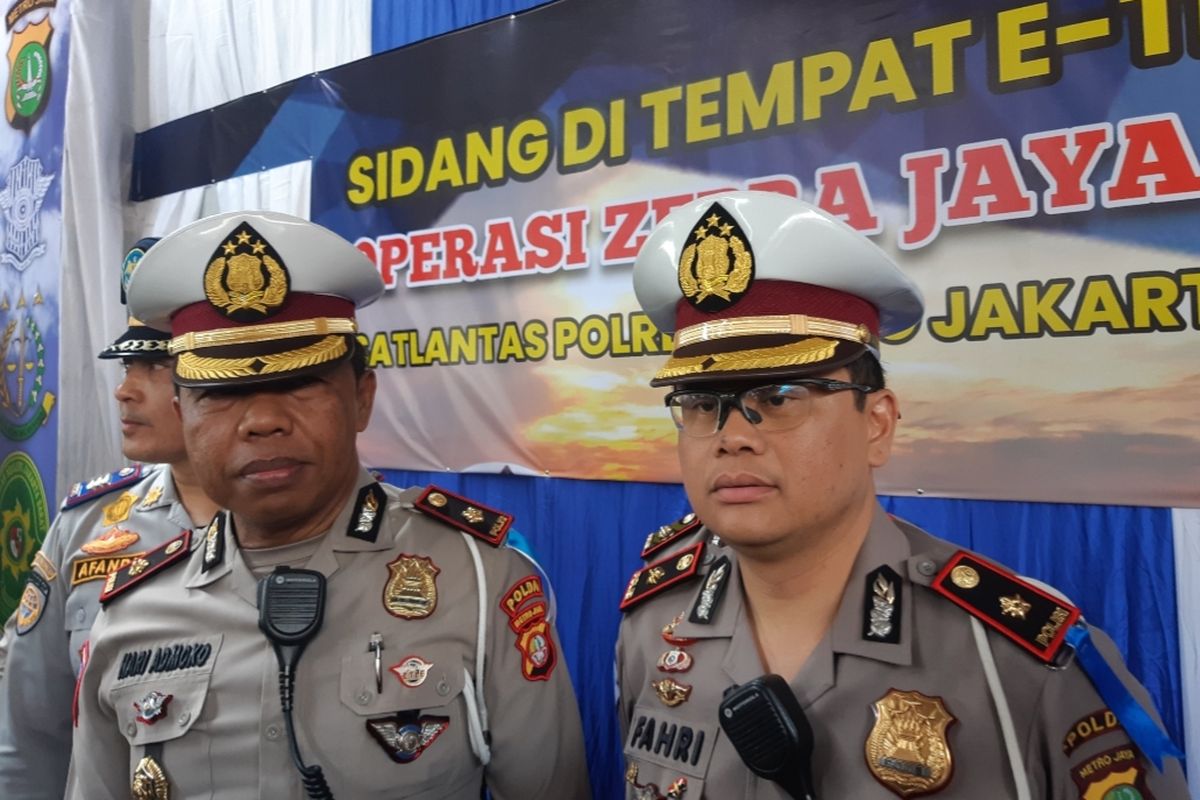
(30,224)
(1031,166)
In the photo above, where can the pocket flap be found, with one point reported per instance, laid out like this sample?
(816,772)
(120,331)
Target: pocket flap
(422,678)
(160,690)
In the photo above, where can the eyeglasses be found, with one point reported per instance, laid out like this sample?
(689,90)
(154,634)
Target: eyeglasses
(777,407)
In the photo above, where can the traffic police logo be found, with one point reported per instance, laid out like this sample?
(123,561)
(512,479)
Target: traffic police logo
(907,750)
(405,735)
(411,591)
(21,201)
(246,278)
(28,74)
(412,671)
(717,265)
(25,519)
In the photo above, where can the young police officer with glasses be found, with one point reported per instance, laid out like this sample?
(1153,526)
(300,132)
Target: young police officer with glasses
(907,667)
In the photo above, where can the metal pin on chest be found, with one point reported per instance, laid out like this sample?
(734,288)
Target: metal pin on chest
(375,645)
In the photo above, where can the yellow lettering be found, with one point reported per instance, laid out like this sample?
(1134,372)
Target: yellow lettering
(778,100)
(882,75)
(659,102)
(822,75)
(362,185)
(1012,41)
(940,41)
(700,107)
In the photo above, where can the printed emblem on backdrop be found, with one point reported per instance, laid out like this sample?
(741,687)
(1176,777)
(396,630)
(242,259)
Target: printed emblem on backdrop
(25,520)
(21,199)
(24,406)
(28,74)
(411,590)
(907,750)
(717,265)
(246,279)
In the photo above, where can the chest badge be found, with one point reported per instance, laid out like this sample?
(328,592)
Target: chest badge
(907,750)
(411,590)
(676,660)
(412,671)
(149,781)
(111,541)
(152,707)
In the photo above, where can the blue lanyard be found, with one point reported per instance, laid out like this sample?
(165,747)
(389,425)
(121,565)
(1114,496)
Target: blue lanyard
(1154,743)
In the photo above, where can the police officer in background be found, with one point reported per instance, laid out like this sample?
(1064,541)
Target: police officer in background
(908,667)
(103,523)
(434,667)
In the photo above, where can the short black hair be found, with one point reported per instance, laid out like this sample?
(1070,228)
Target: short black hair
(866,370)
(358,357)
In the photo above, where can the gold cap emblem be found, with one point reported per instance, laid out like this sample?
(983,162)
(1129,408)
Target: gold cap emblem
(717,265)
(246,279)
(411,591)
(907,750)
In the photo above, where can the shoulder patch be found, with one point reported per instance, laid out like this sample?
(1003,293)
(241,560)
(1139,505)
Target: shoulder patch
(1030,616)
(662,537)
(87,491)
(141,568)
(669,571)
(367,515)
(465,515)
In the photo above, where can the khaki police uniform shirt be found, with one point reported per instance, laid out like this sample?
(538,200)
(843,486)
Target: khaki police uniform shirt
(1069,744)
(84,543)
(223,733)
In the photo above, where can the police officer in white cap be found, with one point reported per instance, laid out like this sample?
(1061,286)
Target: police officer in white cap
(103,523)
(328,635)
(789,638)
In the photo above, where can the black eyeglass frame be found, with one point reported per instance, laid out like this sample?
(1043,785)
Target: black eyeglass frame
(727,401)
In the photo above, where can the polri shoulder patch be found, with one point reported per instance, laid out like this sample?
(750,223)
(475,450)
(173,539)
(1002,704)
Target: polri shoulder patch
(138,570)
(87,491)
(669,571)
(465,515)
(662,537)
(1030,616)
(368,513)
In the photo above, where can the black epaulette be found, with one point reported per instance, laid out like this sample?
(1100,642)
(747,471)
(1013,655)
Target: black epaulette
(662,537)
(662,574)
(87,491)
(465,515)
(1030,616)
(142,567)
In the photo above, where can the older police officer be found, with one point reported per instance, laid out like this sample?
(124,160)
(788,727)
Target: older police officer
(436,668)
(103,523)
(908,667)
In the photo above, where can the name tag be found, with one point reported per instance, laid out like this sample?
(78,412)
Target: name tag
(670,741)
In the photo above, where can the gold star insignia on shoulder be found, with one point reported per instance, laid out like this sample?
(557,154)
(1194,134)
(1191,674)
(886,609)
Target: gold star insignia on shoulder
(152,497)
(1014,606)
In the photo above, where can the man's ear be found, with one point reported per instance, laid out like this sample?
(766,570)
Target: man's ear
(364,390)
(883,410)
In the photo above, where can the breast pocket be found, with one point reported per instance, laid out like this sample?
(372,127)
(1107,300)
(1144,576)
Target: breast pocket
(416,725)
(160,691)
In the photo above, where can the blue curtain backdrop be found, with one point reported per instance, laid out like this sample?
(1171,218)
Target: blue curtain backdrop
(1116,563)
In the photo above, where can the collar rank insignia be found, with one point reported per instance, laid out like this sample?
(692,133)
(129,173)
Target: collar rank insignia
(98,487)
(465,515)
(1030,616)
(907,750)
(710,596)
(717,265)
(662,537)
(152,707)
(367,516)
(881,607)
(406,734)
(214,542)
(152,497)
(149,781)
(246,279)
(139,569)
(650,580)
(411,590)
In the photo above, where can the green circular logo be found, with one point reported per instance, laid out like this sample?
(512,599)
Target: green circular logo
(24,519)
(1125,792)
(28,81)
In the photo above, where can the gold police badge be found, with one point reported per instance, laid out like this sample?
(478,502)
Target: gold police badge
(411,590)
(149,781)
(717,265)
(246,278)
(907,750)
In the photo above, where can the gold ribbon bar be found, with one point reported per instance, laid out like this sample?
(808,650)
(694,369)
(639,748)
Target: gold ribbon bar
(270,331)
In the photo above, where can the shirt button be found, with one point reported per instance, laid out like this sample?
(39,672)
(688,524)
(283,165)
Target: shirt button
(131,729)
(272,732)
(185,718)
(927,568)
(363,698)
(443,688)
(80,615)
